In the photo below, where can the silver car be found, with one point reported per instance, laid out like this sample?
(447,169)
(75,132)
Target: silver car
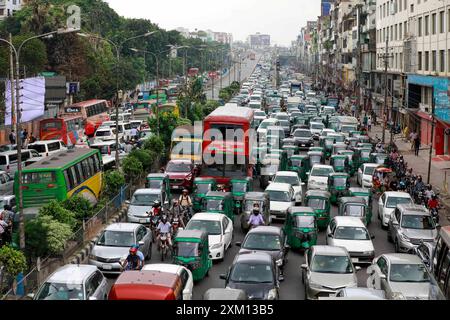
(141,203)
(409,225)
(328,269)
(114,244)
(400,275)
(74,282)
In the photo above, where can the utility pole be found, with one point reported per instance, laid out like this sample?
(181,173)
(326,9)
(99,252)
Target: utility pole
(386,57)
(11,73)
(433,107)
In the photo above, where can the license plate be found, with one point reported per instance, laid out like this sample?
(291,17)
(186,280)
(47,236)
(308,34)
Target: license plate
(176,187)
(303,145)
(355,260)
(107,267)
(143,221)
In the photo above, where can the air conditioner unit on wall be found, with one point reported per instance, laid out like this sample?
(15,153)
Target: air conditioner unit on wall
(424,107)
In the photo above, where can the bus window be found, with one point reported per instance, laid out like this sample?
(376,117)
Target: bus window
(69,180)
(75,177)
(92,165)
(87,169)
(97,163)
(39,178)
(79,170)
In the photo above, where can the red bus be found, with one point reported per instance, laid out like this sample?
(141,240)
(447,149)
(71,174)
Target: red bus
(68,129)
(233,143)
(93,112)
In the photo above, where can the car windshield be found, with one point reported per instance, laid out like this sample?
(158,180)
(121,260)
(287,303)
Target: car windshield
(293,181)
(348,128)
(331,264)
(116,239)
(302,134)
(38,147)
(392,202)
(351,233)
(212,228)
(419,222)
(365,153)
(315,159)
(186,249)
(284,123)
(215,205)
(340,181)
(260,114)
(318,126)
(144,199)
(339,162)
(321,172)
(252,273)
(304,222)
(259,241)
(318,204)
(339,138)
(239,186)
(265,124)
(296,162)
(409,273)
(329,142)
(103,133)
(354,210)
(179,167)
(281,196)
(155,184)
(249,204)
(61,291)
(203,188)
(369,171)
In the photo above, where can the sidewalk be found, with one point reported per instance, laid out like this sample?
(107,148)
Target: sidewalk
(439,167)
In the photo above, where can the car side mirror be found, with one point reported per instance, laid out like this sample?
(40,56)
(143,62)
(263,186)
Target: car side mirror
(92,298)
(372,237)
(383,276)
(223,276)
(31,295)
(357,268)
(238,244)
(128,202)
(180,228)
(330,235)
(304,266)
(141,243)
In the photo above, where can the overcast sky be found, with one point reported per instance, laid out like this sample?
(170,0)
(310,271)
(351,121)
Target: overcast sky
(282,19)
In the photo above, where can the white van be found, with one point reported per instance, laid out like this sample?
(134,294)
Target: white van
(46,148)
(8,160)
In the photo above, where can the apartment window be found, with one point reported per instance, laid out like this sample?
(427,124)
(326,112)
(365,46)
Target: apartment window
(419,58)
(433,23)
(412,8)
(441,22)
(442,60)
(419,26)
(433,59)
(384,34)
(401,60)
(405,24)
(427,25)
(384,10)
(400,29)
(427,60)
(406,5)
(392,33)
(400,5)
(396,61)
(448,20)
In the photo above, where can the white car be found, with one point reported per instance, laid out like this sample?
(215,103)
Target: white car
(316,129)
(294,180)
(105,134)
(326,131)
(262,129)
(388,202)
(220,232)
(184,273)
(318,177)
(365,174)
(352,234)
(47,148)
(281,197)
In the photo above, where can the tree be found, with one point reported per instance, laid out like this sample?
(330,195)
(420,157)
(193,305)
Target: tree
(146,158)
(57,212)
(80,207)
(132,168)
(12,260)
(114,180)
(155,144)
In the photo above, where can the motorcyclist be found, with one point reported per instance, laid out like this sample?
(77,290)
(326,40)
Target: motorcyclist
(419,186)
(379,148)
(177,213)
(433,206)
(164,227)
(156,208)
(140,255)
(132,262)
(256,219)
(185,201)
(429,193)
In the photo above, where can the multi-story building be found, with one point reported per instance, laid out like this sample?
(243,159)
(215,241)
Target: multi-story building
(8,7)
(259,40)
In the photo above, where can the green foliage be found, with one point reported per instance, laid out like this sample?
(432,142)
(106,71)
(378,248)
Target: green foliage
(132,167)
(80,206)
(113,181)
(168,121)
(57,212)
(12,260)
(155,144)
(228,92)
(145,157)
(46,236)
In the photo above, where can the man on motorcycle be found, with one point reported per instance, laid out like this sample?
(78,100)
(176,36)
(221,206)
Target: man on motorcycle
(140,255)
(379,148)
(132,262)
(164,227)
(177,213)
(429,193)
(419,186)
(185,201)
(157,210)
(433,206)
(256,219)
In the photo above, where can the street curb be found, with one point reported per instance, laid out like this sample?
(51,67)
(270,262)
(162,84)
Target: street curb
(83,254)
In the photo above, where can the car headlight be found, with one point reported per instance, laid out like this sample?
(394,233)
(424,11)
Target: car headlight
(272,295)
(398,296)
(369,253)
(315,286)
(92,257)
(404,237)
(279,262)
(216,246)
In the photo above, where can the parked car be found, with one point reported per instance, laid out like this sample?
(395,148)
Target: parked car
(47,148)
(409,225)
(400,275)
(268,239)
(220,232)
(113,245)
(352,234)
(256,273)
(388,202)
(281,197)
(6,184)
(294,180)
(181,173)
(141,204)
(74,282)
(365,174)
(327,270)
(318,177)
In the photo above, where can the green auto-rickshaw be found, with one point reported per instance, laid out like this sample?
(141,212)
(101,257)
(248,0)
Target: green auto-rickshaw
(191,250)
(282,156)
(354,207)
(291,150)
(201,187)
(354,133)
(321,203)
(274,141)
(327,143)
(338,137)
(316,149)
(219,202)
(339,146)
(315,157)
(350,155)
(302,120)
(301,228)
(378,158)
(340,163)
(299,164)
(365,155)
(161,182)
(366,194)
(333,123)
(239,187)
(338,184)
(352,142)
(250,198)
(363,138)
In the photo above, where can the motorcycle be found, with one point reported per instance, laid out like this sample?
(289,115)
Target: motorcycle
(163,245)
(186,213)
(175,224)
(153,226)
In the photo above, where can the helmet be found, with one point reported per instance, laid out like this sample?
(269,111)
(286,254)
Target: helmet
(156,204)
(185,190)
(136,246)
(133,249)
(164,218)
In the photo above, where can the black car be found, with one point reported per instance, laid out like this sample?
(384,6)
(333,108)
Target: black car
(267,239)
(256,273)
(303,138)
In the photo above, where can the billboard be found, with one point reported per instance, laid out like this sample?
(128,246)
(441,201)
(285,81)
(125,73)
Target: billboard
(326,7)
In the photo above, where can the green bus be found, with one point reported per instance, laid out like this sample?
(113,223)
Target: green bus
(72,172)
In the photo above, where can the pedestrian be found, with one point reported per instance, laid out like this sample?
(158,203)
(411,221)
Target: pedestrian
(416,146)
(24,135)
(8,218)
(369,123)
(3,230)
(12,137)
(133,133)
(413,136)
(128,147)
